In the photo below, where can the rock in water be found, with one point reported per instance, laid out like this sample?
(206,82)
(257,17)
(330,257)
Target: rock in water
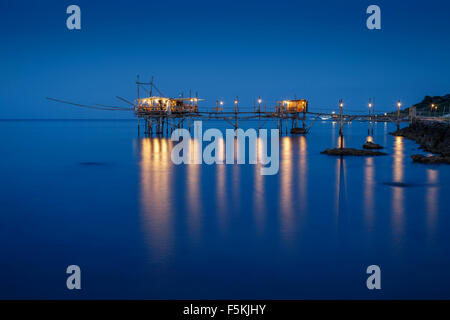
(352,152)
(298,131)
(371,145)
(430,159)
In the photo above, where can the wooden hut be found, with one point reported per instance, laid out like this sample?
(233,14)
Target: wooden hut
(156,103)
(297,105)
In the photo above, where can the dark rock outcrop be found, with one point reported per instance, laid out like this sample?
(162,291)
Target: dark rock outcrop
(352,152)
(433,137)
(298,131)
(430,159)
(372,146)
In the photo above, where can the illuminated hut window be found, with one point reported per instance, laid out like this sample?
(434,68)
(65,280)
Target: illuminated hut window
(166,104)
(299,105)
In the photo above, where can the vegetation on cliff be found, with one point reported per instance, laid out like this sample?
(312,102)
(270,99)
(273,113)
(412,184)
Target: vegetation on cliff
(438,105)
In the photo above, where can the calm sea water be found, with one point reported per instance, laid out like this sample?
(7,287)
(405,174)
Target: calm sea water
(94,194)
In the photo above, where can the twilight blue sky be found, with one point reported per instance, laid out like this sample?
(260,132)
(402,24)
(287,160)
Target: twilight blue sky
(319,50)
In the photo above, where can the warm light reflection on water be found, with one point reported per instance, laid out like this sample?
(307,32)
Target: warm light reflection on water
(156,205)
(341,142)
(341,179)
(258,191)
(432,198)
(398,196)
(340,186)
(192,190)
(303,174)
(221,199)
(369,190)
(235,177)
(286,188)
(288,191)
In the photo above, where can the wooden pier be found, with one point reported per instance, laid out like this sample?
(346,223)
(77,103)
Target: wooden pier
(160,115)
(161,122)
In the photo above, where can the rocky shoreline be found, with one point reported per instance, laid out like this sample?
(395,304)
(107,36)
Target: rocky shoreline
(433,137)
